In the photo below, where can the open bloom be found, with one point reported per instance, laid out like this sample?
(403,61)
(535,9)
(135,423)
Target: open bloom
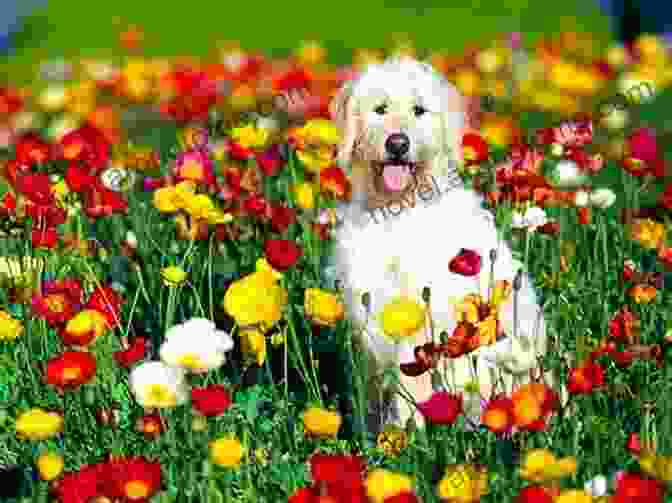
(196,345)
(442,408)
(227,452)
(212,400)
(541,465)
(71,369)
(402,318)
(84,328)
(49,465)
(133,479)
(321,422)
(648,233)
(513,355)
(36,424)
(10,328)
(173,276)
(463,484)
(155,384)
(323,308)
(383,484)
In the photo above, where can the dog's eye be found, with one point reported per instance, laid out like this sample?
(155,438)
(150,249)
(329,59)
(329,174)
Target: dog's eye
(418,110)
(381,109)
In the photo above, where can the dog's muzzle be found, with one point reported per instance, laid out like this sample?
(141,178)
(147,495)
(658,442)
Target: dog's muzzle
(396,168)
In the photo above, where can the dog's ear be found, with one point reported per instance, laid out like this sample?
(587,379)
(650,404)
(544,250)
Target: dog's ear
(346,119)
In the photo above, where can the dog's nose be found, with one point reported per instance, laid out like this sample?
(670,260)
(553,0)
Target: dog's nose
(397,144)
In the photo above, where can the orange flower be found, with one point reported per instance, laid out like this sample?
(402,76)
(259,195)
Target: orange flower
(334,181)
(498,414)
(71,369)
(642,293)
(150,425)
(531,403)
(584,215)
(83,328)
(474,149)
(585,378)
(133,479)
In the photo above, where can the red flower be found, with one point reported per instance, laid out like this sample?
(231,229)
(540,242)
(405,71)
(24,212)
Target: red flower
(256,205)
(31,149)
(107,302)
(13,169)
(44,238)
(641,144)
(498,415)
(584,215)
(71,369)
(665,256)
(576,133)
(634,444)
(134,353)
(102,202)
(633,488)
(296,78)
(8,204)
(404,497)
(150,425)
(82,486)
(10,101)
(45,215)
(282,253)
(78,177)
(666,197)
(59,301)
(624,326)
(474,149)
(304,495)
(549,228)
(36,187)
(133,479)
(212,400)
(270,161)
(239,153)
(322,230)
(585,379)
(337,470)
(86,144)
(442,407)
(534,494)
(466,262)
(282,217)
(623,358)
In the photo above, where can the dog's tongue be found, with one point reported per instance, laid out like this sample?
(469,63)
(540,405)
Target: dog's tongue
(393,177)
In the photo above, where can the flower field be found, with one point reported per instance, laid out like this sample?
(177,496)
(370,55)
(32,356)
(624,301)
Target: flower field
(170,330)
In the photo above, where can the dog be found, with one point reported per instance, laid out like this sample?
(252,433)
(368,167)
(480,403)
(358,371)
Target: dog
(402,125)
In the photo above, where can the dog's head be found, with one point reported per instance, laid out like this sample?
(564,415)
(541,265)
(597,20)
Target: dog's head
(399,117)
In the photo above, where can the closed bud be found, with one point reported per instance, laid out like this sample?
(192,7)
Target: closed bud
(493,255)
(131,240)
(437,381)
(443,337)
(426,294)
(518,280)
(366,300)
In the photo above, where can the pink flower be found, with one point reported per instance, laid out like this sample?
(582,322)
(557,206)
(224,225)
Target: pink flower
(442,408)
(642,145)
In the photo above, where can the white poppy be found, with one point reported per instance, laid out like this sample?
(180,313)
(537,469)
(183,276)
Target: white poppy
(581,199)
(567,175)
(196,346)
(597,487)
(513,355)
(533,218)
(156,385)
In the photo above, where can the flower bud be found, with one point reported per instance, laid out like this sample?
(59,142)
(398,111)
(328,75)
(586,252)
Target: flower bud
(366,300)
(426,294)
(518,280)
(131,239)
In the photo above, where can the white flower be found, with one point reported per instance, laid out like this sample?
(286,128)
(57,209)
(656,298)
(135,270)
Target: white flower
(597,487)
(196,345)
(156,385)
(567,175)
(602,198)
(513,355)
(533,218)
(581,198)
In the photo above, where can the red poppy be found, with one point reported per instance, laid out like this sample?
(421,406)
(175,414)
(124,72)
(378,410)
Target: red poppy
(303,495)
(633,488)
(36,187)
(10,101)
(150,425)
(31,149)
(624,326)
(337,470)
(59,300)
(44,238)
(466,262)
(642,144)
(78,178)
(549,228)
(82,486)
(334,181)
(666,197)
(282,217)
(102,202)
(107,302)
(282,253)
(270,161)
(135,353)
(584,215)
(71,369)
(256,205)
(586,378)
(239,153)
(8,204)
(295,78)
(45,215)
(474,149)
(86,144)
(405,497)
(623,358)
(534,494)
(634,444)
(133,479)
(13,169)
(442,407)
(212,400)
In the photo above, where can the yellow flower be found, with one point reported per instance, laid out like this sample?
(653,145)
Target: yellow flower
(250,136)
(165,200)
(36,424)
(323,308)
(382,484)
(217,216)
(648,233)
(467,309)
(227,452)
(50,465)
(321,422)
(463,484)
(60,190)
(10,328)
(199,206)
(319,132)
(656,466)
(573,496)
(402,318)
(256,299)
(540,465)
(392,440)
(643,294)
(253,346)
(316,159)
(173,276)
(304,194)
(87,321)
